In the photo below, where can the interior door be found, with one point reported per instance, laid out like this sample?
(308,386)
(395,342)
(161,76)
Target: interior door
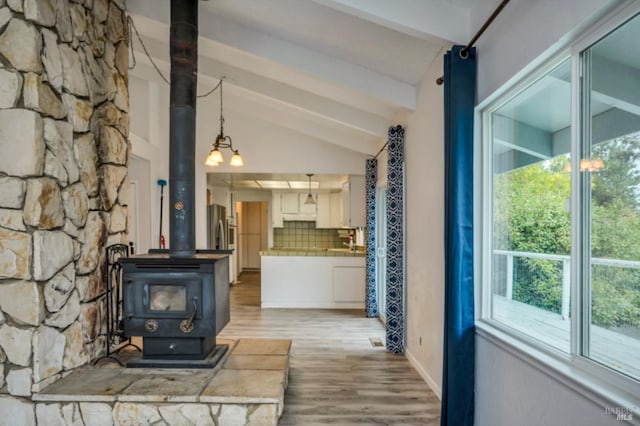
(381,244)
(142,212)
(133,216)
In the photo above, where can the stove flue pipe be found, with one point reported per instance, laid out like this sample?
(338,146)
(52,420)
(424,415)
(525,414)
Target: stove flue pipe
(182,126)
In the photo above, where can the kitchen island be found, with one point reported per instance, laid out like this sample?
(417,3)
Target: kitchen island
(312,278)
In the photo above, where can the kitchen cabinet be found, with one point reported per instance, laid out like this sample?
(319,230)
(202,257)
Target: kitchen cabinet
(348,284)
(276,210)
(329,210)
(323,218)
(290,203)
(328,282)
(251,251)
(335,199)
(253,224)
(353,202)
(253,233)
(290,206)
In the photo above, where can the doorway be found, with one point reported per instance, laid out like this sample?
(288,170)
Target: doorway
(381,247)
(139,220)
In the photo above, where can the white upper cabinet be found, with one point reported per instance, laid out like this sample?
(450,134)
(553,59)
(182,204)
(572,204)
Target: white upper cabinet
(333,210)
(353,202)
(329,210)
(323,219)
(335,201)
(276,210)
(290,203)
(290,206)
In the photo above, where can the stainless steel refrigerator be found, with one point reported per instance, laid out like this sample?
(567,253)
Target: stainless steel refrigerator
(217,227)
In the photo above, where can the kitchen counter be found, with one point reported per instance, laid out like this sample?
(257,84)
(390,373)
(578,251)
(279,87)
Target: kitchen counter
(324,252)
(312,278)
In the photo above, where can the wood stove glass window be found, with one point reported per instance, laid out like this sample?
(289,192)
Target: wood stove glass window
(167,298)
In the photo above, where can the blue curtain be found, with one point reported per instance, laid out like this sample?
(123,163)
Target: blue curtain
(395,240)
(371,297)
(459,348)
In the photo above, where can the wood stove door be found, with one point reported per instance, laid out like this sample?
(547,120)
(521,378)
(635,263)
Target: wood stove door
(157,305)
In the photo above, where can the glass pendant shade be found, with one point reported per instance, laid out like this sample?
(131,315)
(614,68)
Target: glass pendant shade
(236,160)
(310,199)
(216,155)
(214,158)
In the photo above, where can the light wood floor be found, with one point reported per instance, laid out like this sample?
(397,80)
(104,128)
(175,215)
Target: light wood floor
(336,377)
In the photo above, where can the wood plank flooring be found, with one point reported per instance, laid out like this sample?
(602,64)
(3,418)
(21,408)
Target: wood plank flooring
(336,376)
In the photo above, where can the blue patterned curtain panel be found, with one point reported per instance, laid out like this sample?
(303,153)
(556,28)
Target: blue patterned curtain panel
(395,240)
(371,296)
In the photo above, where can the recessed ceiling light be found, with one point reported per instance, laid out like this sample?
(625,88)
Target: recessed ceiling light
(245,184)
(273,184)
(303,185)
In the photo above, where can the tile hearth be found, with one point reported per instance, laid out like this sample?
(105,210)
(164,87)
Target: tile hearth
(246,388)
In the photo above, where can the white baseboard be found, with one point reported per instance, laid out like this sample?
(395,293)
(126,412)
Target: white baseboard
(435,387)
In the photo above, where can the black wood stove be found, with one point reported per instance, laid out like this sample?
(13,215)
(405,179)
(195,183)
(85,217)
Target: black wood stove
(178,300)
(177,306)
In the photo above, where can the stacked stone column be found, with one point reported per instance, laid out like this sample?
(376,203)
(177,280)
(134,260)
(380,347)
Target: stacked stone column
(64,149)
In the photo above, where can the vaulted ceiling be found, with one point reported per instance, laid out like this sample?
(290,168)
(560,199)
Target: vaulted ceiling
(342,71)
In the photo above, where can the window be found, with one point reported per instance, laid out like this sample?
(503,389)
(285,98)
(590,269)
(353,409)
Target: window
(611,201)
(531,239)
(561,195)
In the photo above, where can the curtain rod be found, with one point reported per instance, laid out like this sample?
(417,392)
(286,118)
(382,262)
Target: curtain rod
(465,50)
(381,149)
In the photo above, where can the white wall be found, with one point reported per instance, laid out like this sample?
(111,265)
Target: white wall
(140,102)
(146,111)
(509,390)
(424,175)
(524,31)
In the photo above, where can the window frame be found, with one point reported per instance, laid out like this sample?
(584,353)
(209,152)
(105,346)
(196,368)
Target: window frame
(487,196)
(603,385)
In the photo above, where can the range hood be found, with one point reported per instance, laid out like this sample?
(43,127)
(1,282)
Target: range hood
(300,217)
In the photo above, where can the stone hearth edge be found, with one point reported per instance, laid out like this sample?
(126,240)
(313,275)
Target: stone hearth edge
(247,387)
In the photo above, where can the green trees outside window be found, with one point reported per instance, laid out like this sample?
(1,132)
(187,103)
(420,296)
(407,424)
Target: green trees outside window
(531,214)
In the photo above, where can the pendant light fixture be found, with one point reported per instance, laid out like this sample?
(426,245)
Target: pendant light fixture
(310,199)
(215,156)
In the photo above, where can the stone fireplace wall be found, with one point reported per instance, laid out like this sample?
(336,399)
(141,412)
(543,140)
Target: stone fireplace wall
(64,150)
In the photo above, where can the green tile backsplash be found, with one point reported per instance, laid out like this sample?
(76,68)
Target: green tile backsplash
(303,234)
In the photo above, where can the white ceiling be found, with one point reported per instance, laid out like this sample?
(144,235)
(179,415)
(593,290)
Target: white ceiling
(546,104)
(342,71)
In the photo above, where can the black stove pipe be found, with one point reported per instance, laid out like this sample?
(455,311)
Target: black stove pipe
(182,127)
